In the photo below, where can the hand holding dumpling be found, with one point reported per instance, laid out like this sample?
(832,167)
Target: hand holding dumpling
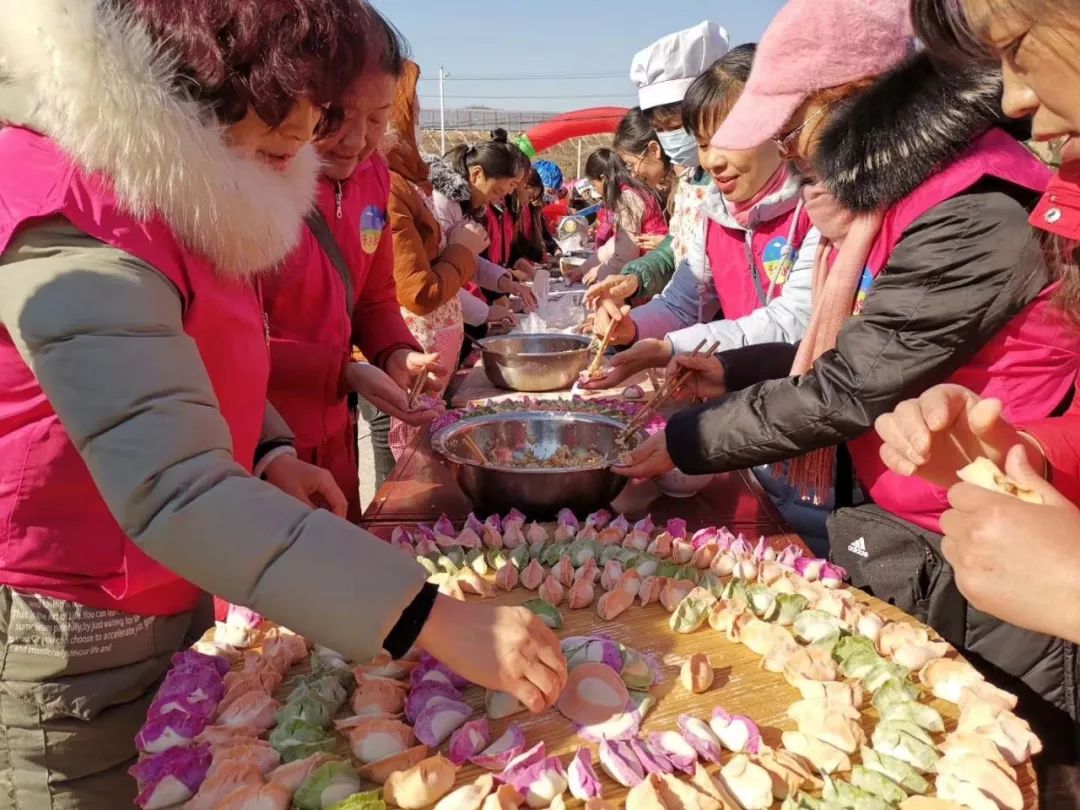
(1017,560)
(508,649)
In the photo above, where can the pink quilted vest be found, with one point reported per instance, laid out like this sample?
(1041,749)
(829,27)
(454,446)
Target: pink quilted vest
(1030,365)
(750,268)
(57,537)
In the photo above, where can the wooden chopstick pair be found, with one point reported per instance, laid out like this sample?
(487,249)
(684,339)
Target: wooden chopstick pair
(666,391)
(594,366)
(418,386)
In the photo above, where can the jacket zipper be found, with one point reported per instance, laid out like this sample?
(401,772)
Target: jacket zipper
(337,200)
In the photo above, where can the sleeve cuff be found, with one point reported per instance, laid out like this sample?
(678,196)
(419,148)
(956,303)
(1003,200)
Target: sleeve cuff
(269,455)
(684,442)
(404,634)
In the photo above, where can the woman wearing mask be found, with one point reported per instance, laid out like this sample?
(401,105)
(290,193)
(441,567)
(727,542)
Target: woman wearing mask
(133,425)
(337,291)
(1035,42)
(662,73)
(929,249)
(631,211)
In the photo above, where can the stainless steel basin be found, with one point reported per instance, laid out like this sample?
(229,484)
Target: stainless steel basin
(535,363)
(538,492)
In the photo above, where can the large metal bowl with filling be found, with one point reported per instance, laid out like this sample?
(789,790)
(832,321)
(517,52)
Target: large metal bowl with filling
(536,462)
(535,363)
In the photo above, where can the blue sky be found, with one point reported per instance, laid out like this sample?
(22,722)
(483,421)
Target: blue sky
(551,38)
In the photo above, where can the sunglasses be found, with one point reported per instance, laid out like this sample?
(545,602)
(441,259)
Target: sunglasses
(786,142)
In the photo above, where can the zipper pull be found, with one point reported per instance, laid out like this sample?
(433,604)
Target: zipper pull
(337,200)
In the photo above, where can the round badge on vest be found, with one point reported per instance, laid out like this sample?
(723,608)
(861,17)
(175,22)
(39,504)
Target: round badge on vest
(372,224)
(773,260)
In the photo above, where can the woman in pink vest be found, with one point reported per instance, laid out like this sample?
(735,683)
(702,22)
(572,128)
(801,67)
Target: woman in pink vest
(1035,41)
(337,290)
(631,210)
(155,165)
(926,273)
(922,436)
(747,276)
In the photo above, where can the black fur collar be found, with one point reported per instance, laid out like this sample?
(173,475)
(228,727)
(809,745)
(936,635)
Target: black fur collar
(884,143)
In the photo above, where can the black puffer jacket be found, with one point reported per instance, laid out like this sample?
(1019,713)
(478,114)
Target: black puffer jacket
(957,277)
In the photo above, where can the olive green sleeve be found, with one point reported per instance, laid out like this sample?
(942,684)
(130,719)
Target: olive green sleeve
(653,270)
(103,333)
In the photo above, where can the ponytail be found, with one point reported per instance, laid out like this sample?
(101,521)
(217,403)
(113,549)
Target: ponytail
(606,165)
(498,160)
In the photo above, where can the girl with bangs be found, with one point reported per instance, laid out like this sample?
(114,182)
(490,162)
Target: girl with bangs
(156,163)
(631,212)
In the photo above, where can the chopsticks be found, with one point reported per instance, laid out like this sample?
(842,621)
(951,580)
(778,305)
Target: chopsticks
(418,386)
(665,392)
(470,443)
(594,366)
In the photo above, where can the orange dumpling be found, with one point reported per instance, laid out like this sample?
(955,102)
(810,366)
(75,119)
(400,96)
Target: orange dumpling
(377,739)
(378,698)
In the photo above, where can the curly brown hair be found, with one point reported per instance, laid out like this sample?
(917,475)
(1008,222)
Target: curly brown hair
(265,55)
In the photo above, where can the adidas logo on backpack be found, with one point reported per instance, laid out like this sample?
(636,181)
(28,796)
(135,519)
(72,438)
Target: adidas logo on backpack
(859,547)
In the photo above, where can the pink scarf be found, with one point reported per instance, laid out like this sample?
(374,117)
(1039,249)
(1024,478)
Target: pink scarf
(742,211)
(836,283)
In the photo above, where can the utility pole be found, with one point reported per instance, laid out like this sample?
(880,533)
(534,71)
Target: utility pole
(442,109)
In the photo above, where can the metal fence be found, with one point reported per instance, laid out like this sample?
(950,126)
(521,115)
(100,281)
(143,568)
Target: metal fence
(484,119)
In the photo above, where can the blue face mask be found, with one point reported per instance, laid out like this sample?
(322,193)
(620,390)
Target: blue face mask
(681,147)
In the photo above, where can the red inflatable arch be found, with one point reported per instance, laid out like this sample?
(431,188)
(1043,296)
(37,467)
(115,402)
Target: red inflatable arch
(593,121)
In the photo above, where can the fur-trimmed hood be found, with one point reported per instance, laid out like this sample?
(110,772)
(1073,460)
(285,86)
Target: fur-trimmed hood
(95,82)
(887,141)
(448,182)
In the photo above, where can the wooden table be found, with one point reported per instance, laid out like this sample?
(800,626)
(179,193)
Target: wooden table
(473,388)
(741,687)
(422,487)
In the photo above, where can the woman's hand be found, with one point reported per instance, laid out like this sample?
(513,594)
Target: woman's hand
(644,354)
(921,436)
(524,270)
(1015,560)
(611,315)
(309,484)
(508,286)
(648,460)
(500,314)
(707,379)
(590,277)
(404,366)
(384,393)
(470,236)
(503,648)
(618,288)
(648,242)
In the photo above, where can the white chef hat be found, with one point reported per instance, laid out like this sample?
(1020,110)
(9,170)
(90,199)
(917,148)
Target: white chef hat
(664,71)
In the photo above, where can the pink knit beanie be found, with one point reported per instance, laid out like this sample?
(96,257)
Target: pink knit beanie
(813,45)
